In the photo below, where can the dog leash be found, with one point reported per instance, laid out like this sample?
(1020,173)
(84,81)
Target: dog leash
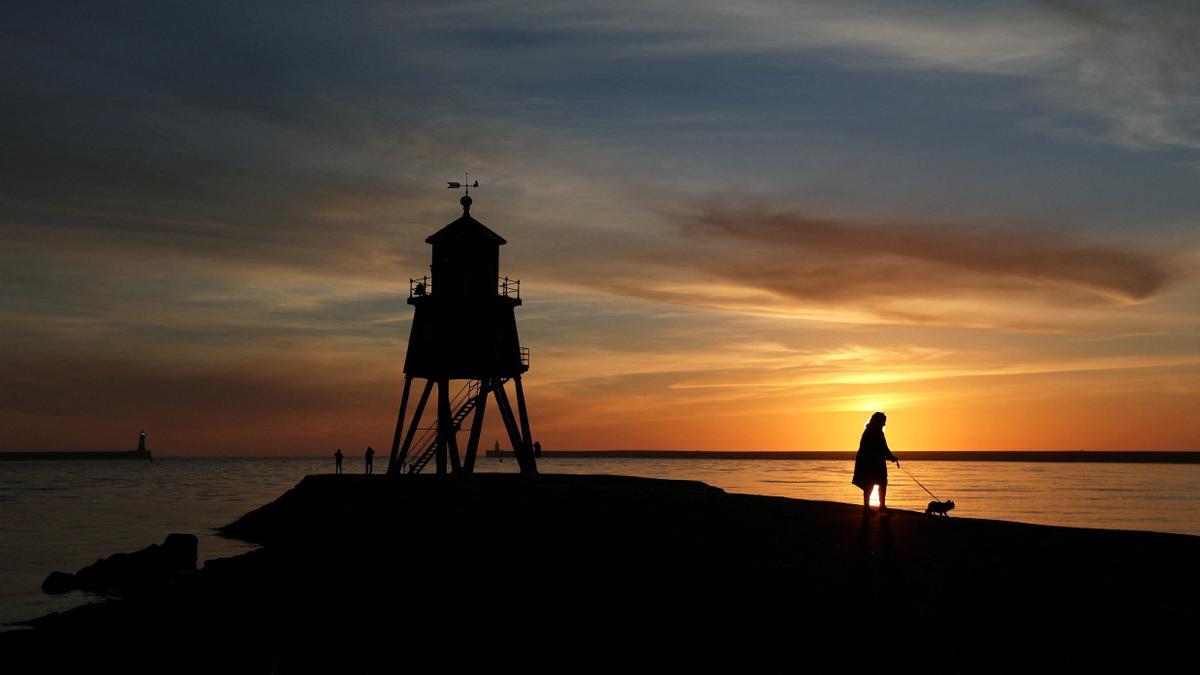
(919,483)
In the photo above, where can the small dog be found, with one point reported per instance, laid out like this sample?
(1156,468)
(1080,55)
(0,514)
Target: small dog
(939,507)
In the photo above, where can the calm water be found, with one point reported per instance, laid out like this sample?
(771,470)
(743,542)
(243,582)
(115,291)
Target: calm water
(64,515)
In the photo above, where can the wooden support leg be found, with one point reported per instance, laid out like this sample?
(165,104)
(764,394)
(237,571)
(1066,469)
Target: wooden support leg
(444,428)
(476,428)
(412,427)
(452,447)
(514,434)
(510,425)
(525,432)
(452,439)
(391,467)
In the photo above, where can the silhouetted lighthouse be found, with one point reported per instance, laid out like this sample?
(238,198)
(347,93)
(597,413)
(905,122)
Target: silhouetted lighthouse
(465,328)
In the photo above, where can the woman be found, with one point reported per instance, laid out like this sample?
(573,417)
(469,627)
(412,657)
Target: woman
(870,464)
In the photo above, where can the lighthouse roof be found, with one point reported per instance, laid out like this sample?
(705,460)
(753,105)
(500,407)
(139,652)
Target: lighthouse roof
(465,229)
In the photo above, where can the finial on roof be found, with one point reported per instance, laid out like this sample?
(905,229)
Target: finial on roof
(466,186)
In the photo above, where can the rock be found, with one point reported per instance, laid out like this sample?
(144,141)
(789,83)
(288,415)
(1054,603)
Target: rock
(58,582)
(181,549)
(154,565)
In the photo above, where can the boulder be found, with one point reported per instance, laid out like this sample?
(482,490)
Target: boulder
(58,582)
(154,565)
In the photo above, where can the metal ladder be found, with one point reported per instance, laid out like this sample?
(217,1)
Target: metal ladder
(473,392)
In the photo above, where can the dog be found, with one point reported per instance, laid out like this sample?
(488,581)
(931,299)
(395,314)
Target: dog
(939,508)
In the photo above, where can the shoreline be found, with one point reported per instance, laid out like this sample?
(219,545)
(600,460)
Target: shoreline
(73,455)
(1054,456)
(504,547)
(1047,456)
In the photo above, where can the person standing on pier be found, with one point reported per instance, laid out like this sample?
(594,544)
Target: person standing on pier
(369,458)
(870,464)
(337,461)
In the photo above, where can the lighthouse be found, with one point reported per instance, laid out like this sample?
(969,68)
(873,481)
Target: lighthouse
(464,344)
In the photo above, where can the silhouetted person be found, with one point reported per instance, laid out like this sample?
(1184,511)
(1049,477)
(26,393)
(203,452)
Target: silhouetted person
(870,464)
(537,449)
(337,461)
(370,459)
(498,452)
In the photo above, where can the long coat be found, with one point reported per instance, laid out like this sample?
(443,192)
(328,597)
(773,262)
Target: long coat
(870,464)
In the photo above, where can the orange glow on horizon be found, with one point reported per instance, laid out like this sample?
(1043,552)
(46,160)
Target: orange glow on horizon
(610,373)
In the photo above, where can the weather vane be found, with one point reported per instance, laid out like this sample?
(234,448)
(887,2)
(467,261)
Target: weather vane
(466,184)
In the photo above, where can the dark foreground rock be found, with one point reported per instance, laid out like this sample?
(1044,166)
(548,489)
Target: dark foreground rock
(360,574)
(151,567)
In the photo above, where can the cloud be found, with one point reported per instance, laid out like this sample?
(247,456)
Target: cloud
(1136,69)
(1124,73)
(747,258)
(1114,72)
(820,257)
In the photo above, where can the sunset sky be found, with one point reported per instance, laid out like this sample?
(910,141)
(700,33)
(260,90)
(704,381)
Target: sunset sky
(738,225)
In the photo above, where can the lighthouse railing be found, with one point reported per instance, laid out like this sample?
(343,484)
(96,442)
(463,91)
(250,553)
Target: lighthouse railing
(420,287)
(509,288)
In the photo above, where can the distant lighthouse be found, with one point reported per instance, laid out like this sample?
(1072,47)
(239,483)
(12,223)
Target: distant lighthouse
(142,452)
(465,329)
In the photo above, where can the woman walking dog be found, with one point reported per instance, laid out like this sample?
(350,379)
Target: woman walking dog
(870,464)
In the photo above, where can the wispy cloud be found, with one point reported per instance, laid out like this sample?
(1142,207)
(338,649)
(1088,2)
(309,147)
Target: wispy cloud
(821,258)
(1117,72)
(736,256)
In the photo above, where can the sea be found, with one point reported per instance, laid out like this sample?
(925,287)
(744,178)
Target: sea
(64,515)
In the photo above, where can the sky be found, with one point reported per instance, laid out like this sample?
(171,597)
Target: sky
(738,225)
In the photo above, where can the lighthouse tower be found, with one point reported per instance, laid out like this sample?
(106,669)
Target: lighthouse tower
(464,342)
